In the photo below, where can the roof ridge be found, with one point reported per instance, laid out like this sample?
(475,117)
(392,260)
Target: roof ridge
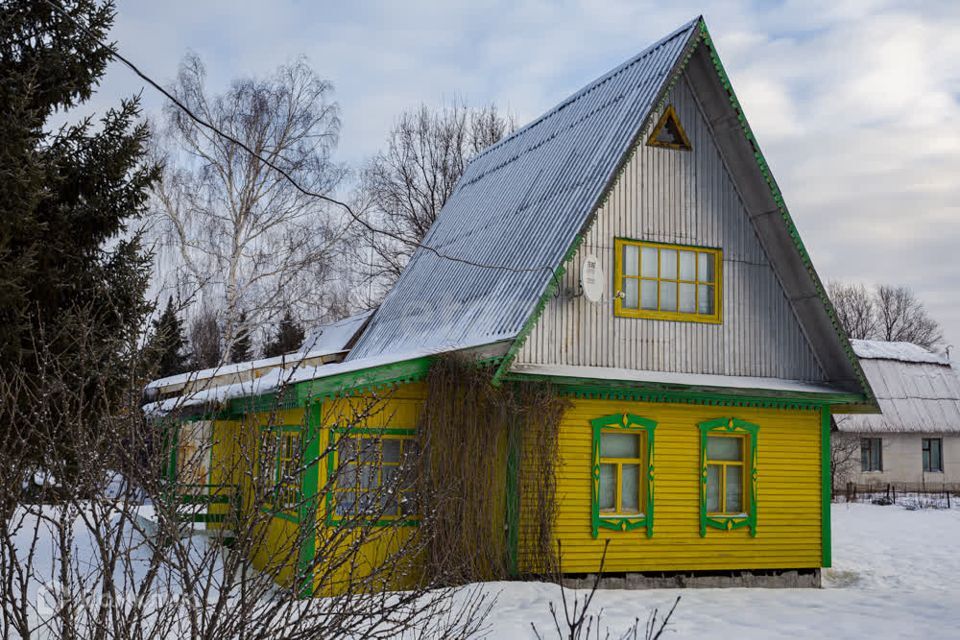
(591,86)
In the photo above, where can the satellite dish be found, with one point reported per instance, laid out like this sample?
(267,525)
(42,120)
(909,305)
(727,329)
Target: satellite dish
(591,278)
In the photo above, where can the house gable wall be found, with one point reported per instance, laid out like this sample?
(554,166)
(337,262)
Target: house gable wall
(681,197)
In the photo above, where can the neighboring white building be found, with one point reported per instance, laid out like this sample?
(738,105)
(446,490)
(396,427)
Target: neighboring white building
(915,442)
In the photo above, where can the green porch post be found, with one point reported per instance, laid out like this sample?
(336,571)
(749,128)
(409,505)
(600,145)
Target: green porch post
(308,499)
(826,483)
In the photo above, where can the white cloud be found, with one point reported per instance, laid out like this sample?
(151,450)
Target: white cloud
(855,103)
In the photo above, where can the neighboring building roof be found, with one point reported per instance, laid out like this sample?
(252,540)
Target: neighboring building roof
(520,203)
(918,391)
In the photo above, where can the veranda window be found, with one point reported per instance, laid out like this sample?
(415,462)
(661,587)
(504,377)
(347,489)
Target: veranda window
(373,475)
(281,456)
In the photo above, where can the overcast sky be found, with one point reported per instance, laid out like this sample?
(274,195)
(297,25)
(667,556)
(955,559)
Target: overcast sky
(856,104)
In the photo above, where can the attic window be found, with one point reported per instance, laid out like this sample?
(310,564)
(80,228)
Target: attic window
(667,282)
(669,132)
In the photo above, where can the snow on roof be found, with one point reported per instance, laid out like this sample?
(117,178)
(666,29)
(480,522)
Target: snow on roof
(684,379)
(336,337)
(902,351)
(325,340)
(918,391)
(274,379)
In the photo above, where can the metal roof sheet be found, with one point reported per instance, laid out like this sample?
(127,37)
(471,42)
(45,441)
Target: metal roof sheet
(521,204)
(915,395)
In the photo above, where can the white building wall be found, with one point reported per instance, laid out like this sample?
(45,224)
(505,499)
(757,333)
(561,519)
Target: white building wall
(903,462)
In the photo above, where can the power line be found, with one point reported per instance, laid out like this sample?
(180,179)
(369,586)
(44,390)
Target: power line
(203,123)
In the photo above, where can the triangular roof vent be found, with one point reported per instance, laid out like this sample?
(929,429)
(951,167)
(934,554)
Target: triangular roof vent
(669,132)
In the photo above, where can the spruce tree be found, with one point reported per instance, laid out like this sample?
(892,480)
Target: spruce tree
(289,337)
(240,350)
(168,343)
(72,270)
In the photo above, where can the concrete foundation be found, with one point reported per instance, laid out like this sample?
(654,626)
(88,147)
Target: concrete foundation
(785,579)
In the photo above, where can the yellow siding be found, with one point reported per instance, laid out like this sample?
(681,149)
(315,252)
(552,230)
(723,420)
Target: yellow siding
(788,501)
(399,408)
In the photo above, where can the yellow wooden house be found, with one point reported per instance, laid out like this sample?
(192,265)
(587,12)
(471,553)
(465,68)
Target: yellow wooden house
(631,248)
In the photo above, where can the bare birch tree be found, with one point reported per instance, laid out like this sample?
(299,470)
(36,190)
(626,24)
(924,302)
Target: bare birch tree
(404,187)
(885,312)
(229,225)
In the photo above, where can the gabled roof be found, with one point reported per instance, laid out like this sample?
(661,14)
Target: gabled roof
(524,203)
(917,390)
(521,203)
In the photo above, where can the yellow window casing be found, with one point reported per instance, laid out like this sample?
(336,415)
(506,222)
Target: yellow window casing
(636,284)
(722,476)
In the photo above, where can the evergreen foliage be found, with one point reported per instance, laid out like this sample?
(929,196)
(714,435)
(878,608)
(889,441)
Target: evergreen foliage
(240,350)
(289,337)
(72,271)
(168,343)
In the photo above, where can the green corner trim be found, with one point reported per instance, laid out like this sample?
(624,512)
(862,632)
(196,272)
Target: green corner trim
(309,480)
(775,192)
(826,481)
(331,519)
(728,523)
(629,423)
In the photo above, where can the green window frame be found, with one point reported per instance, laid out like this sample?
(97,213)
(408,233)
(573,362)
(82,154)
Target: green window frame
(280,469)
(662,281)
(747,433)
(618,519)
(343,486)
(932,454)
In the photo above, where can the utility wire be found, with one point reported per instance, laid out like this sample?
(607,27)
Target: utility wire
(203,123)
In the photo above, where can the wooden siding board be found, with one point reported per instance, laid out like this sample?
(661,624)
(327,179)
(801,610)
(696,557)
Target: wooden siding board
(789,507)
(685,198)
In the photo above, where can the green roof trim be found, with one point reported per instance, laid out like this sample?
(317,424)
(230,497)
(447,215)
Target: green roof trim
(593,388)
(775,192)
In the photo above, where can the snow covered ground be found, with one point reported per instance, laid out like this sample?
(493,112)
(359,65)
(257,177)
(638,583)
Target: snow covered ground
(896,574)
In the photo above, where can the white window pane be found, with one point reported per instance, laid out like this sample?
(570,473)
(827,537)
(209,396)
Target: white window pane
(721,448)
(631,259)
(368,477)
(630,293)
(648,294)
(391,450)
(630,489)
(347,449)
(649,263)
(619,445)
(713,489)
(705,304)
(688,265)
(705,267)
(668,264)
(668,296)
(608,487)
(734,489)
(345,502)
(688,298)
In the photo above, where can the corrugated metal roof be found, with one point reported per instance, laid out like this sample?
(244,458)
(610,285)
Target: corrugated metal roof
(918,391)
(520,203)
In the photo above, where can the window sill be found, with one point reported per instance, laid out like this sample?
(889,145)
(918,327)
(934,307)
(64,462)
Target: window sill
(282,515)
